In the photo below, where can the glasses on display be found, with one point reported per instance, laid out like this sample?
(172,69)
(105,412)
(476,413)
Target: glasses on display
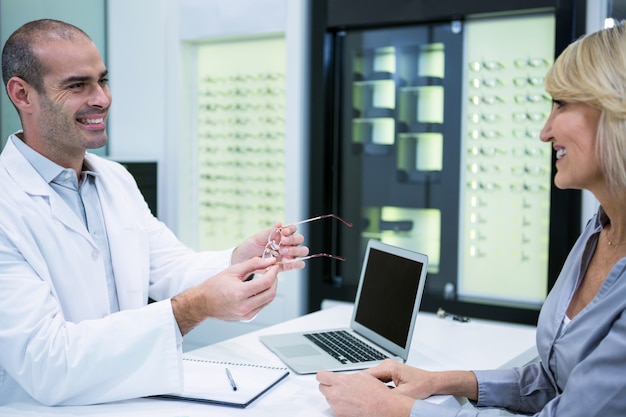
(537,62)
(486,82)
(273,240)
(486,65)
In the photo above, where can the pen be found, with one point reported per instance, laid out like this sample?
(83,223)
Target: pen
(232,381)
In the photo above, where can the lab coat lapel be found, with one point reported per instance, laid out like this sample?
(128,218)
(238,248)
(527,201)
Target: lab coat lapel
(29,180)
(62,212)
(127,244)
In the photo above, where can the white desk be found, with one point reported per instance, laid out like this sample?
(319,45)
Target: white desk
(438,344)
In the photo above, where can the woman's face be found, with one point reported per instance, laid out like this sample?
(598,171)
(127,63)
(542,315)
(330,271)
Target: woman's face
(572,129)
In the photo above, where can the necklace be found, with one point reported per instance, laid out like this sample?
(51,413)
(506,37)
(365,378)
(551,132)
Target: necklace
(613,243)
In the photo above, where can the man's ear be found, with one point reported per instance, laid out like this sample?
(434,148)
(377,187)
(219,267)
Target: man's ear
(20,93)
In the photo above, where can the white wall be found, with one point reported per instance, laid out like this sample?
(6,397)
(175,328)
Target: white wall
(219,18)
(596,13)
(139,32)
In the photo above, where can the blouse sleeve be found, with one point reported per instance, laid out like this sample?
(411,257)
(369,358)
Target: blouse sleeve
(595,387)
(526,389)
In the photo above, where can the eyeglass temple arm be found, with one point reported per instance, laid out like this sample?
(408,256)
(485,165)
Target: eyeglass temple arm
(347,223)
(317,255)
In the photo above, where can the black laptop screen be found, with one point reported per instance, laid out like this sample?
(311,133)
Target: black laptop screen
(388,295)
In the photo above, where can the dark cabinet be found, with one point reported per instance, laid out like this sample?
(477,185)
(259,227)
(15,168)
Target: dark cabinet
(424,134)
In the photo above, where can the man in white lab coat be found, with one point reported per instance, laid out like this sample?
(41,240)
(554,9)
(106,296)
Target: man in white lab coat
(80,252)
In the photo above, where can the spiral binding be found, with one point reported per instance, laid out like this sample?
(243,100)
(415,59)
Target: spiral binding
(226,363)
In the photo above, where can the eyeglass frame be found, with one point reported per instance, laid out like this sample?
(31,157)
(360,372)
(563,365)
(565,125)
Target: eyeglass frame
(272,247)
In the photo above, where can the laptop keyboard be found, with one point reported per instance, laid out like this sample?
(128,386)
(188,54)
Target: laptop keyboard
(344,347)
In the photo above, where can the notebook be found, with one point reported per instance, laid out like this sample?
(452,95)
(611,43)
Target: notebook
(209,382)
(387,301)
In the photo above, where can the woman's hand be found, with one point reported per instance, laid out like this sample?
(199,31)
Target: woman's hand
(414,382)
(419,384)
(362,395)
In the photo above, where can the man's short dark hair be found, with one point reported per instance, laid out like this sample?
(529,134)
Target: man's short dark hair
(18,58)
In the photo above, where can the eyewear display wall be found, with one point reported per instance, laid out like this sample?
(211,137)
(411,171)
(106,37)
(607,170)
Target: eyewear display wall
(240,138)
(507,175)
(432,130)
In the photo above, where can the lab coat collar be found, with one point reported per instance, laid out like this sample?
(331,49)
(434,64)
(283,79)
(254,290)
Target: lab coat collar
(22,172)
(32,183)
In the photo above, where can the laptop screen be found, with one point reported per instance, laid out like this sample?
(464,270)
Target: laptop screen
(388,295)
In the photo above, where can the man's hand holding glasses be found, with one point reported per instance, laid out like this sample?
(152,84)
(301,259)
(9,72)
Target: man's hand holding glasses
(275,242)
(283,243)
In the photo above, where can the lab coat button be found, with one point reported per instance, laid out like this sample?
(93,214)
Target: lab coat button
(94,255)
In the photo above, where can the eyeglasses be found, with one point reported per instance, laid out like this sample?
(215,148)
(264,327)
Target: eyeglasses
(486,65)
(531,63)
(273,240)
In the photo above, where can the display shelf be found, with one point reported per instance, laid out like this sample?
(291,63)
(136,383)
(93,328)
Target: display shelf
(240,145)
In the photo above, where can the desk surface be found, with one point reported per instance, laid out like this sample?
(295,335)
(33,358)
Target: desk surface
(438,344)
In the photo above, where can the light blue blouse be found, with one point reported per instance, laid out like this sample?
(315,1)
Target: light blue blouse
(582,371)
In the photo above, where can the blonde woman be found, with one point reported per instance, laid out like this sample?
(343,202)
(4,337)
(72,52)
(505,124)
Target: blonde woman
(581,332)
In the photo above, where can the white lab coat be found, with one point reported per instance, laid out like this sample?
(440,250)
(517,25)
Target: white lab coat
(59,343)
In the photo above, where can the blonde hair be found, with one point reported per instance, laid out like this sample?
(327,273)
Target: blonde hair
(592,70)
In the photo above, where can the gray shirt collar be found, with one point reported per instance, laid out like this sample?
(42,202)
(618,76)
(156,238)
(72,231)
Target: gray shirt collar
(48,170)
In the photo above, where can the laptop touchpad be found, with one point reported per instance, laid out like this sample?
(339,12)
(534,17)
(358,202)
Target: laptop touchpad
(294,351)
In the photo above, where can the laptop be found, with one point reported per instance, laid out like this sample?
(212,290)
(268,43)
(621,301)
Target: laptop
(387,301)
